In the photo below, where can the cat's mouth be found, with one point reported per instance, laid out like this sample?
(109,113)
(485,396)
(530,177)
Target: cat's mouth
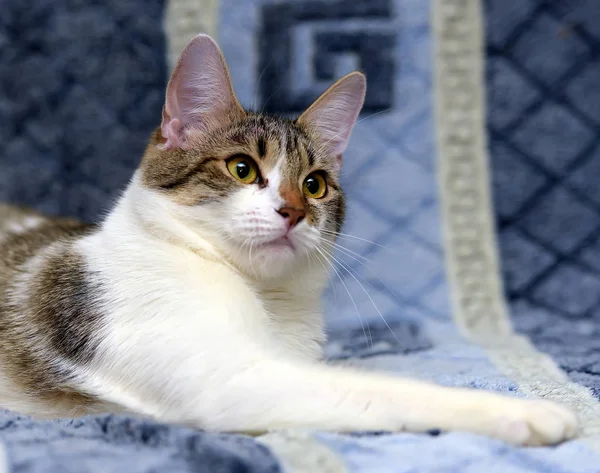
(279,243)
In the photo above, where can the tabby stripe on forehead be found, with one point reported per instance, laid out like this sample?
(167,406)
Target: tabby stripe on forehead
(291,144)
(262,147)
(310,154)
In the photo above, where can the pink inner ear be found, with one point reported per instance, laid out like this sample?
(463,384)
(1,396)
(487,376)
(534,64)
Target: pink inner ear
(171,131)
(334,114)
(199,94)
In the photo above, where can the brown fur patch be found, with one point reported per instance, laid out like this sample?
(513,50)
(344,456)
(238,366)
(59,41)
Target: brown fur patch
(47,310)
(292,197)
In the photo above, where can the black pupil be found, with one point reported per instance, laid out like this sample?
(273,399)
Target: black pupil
(242,169)
(312,185)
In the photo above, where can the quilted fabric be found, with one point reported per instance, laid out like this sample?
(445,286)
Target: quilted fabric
(82,84)
(543,64)
(110,444)
(81,87)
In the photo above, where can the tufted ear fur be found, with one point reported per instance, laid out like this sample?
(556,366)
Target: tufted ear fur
(199,95)
(333,115)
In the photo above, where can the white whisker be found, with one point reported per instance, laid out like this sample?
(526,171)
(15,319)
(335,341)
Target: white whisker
(348,270)
(369,340)
(258,84)
(353,237)
(349,254)
(331,282)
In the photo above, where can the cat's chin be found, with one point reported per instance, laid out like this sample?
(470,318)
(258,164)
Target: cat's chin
(276,255)
(273,259)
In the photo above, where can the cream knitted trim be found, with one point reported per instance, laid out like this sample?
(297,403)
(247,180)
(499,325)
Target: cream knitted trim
(184,20)
(469,235)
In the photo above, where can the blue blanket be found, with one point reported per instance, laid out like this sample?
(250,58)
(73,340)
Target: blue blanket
(435,279)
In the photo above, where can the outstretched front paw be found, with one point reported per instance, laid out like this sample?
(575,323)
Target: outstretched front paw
(534,423)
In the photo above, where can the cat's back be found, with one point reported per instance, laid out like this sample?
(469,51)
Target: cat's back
(24,233)
(15,219)
(17,223)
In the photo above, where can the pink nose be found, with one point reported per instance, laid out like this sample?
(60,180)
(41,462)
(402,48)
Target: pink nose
(293,216)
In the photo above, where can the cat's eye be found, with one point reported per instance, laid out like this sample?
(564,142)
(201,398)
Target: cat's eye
(315,186)
(243,168)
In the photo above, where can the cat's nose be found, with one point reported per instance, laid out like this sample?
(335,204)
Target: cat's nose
(293,216)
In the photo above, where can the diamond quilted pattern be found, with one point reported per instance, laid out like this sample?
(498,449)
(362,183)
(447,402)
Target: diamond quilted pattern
(559,136)
(513,178)
(547,51)
(512,93)
(545,155)
(581,180)
(393,265)
(584,90)
(569,289)
(583,13)
(590,254)
(391,178)
(81,87)
(508,17)
(560,220)
(427,225)
(522,259)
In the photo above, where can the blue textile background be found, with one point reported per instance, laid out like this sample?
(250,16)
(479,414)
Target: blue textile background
(81,87)
(543,70)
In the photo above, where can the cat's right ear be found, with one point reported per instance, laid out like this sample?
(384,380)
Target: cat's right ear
(333,115)
(199,95)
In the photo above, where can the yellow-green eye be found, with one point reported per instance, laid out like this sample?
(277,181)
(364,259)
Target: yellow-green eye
(315,186)
(243,168)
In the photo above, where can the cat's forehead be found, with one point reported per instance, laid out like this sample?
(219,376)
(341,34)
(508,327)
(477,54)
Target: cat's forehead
(278,143)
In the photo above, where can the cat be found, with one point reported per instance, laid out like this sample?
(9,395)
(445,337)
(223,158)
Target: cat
(197,299)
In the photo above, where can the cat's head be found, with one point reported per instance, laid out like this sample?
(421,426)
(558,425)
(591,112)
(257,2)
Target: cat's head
(264,190)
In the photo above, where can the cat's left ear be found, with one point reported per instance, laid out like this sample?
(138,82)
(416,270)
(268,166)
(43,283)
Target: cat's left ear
(333,115)
(199,95)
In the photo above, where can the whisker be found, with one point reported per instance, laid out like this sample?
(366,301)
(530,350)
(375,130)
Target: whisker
(353,237)
(346,250)
(369,340)
(258,84)
(269,98)
(348,270)
(331,282)
(250,252)
(391,291)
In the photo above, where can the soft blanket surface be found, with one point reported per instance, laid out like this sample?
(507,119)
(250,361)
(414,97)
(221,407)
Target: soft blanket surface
(81,87)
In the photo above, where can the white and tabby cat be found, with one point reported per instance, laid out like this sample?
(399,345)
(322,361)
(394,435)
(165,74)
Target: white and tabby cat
(197,300)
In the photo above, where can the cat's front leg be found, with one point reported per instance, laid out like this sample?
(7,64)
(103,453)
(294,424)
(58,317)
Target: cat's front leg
(280,395)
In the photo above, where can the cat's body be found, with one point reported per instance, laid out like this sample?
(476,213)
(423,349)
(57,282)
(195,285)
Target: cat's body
(197,300)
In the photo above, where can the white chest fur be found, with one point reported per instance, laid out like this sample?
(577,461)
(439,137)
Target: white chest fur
(171,313)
